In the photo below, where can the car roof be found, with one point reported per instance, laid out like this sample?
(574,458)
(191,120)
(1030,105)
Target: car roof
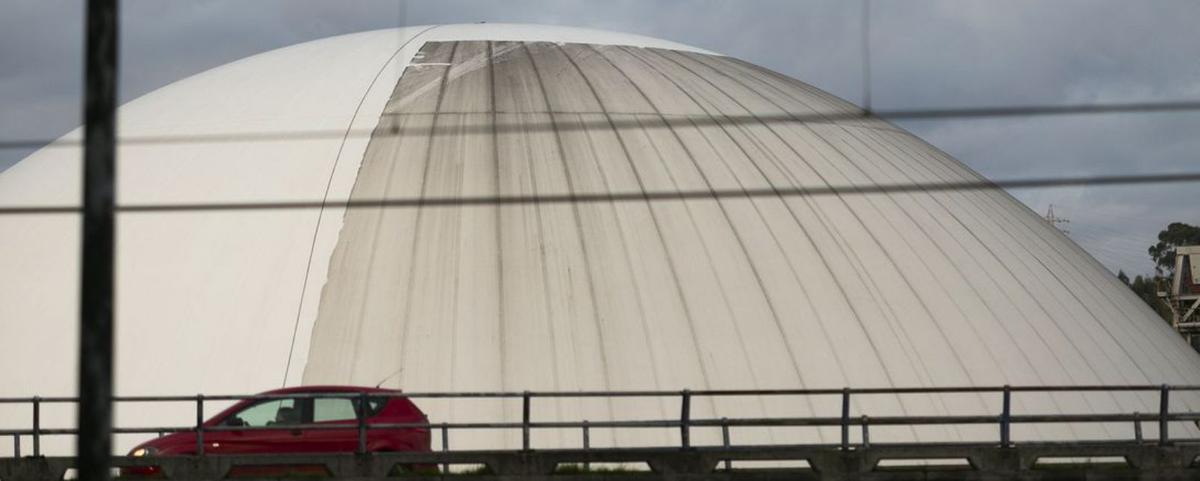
(330,389)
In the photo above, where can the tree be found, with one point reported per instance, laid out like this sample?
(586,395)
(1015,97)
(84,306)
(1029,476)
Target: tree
(1147,289)
(1163,253)
(1176,234)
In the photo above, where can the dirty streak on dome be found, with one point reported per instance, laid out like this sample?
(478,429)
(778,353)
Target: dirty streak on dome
(905,289)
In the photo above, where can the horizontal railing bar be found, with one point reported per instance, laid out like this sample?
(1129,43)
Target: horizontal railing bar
(666,423)
(1102,387)
(647,393)
(192,398)
(27,400)
(1033,446)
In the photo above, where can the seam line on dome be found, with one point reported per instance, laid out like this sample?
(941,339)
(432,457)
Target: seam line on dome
(885,302)
(325,197)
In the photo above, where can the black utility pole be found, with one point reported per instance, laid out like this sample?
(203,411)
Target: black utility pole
(94,444)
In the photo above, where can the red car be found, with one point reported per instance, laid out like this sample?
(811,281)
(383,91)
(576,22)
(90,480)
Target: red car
(286,425)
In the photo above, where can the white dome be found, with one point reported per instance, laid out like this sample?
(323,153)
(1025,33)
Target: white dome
(885,289)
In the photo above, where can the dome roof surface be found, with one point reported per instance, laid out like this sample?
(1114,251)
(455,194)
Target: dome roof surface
(568,209)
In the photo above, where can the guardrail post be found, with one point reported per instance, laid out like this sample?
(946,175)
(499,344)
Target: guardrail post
(725,441)
(587,444)
(685,419)
(845,419)
(37,426)
(16,445)
(1006,418)
(1164,407)
(363,425)
(1137,427)
(445,445)
(199,425)
(866,433)
(525,421)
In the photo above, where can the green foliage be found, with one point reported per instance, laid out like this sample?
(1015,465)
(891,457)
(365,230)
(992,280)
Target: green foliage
(1147,288)
(1163,253)
(1176,234)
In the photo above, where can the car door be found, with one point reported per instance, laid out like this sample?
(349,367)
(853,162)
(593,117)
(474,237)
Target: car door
(267,426)
(339,414)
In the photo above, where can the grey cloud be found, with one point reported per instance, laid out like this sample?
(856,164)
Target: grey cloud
(925,53)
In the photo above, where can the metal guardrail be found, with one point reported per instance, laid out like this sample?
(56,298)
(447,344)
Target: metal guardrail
(685,422)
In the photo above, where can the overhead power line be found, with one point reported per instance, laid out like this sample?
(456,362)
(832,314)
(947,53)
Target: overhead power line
(787,117)
(1027,183)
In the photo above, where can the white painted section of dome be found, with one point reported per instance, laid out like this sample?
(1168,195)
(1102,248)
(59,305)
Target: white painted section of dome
(208,301)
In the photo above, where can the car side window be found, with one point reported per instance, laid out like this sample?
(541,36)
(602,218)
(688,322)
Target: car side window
(333,409)
(375,404)
(268,413)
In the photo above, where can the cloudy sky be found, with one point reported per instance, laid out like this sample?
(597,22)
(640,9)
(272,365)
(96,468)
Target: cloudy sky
(924,54)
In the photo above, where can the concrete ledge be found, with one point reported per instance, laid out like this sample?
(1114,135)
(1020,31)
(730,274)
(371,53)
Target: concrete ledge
(986,462)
